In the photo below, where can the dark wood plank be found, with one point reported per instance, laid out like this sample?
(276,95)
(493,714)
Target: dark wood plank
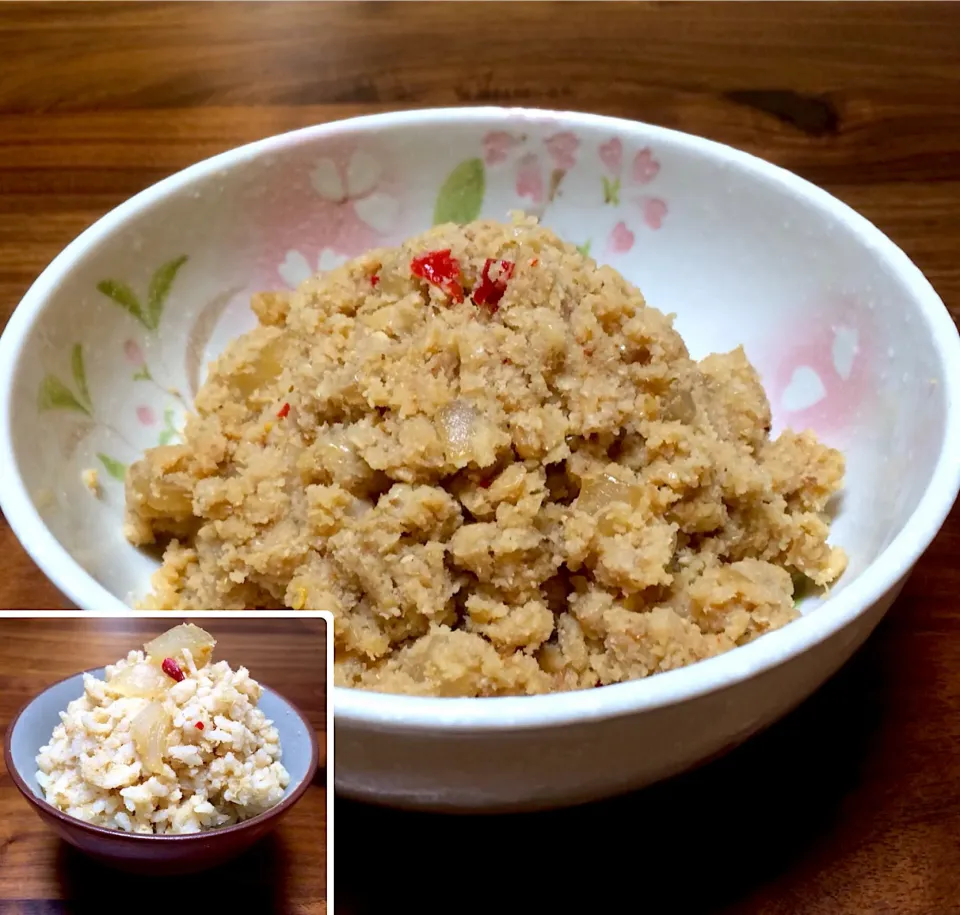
(851,805)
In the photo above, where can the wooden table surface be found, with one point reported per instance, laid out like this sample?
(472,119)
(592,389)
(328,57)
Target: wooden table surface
(850,805)
(284,873)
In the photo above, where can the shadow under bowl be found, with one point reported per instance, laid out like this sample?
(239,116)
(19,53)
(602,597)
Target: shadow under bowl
(160,855)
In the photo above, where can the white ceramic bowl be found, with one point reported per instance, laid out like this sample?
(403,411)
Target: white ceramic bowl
(849,337)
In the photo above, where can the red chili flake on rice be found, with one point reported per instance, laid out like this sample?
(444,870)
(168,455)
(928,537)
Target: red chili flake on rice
(172,669)
(493,283)
(441,269)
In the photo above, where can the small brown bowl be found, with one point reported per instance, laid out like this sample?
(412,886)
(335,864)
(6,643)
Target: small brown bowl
(31,728)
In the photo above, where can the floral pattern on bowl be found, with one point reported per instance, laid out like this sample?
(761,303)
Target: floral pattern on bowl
(55,394)
(329,207)
(821,373)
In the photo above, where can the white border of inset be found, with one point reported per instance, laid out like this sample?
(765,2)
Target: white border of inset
(239,615)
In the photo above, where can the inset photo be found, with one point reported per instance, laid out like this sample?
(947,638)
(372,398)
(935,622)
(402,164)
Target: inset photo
(159,746)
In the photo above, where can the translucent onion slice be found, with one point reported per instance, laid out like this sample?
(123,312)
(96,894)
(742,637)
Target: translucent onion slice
(149,731)
(680,406)
(597,492)
(172,643)
(143,680)
(261,371)
(457,426)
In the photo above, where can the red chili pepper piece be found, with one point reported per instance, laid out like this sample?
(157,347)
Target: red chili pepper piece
(172,669)
(441,269)
(374,280)
(283,411)
(199,725)
(490,289)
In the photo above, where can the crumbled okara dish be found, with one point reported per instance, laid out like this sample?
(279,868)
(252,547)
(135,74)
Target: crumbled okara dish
(170,742)
(496,465)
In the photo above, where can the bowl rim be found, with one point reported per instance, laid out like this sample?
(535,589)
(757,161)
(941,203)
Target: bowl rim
(44,807)
(384,711)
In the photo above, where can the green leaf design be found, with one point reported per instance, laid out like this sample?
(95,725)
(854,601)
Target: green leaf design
(117,470)
(584,249)
(611,190)
(169,432)
(80,375)
(160,284)
(802,586)
(55,395)
(143,374)
(461,196)
(125,297)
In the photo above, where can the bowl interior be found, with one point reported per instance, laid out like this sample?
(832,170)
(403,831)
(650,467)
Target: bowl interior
(36,723)
(839,327)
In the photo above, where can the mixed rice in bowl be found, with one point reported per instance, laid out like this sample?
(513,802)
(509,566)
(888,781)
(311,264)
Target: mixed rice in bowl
(168,743)
(497,465)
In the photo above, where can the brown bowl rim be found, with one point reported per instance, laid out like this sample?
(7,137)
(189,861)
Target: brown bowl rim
(44,806)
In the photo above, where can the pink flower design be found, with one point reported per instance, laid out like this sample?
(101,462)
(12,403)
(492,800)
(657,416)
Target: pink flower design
(645,167)
(621,239)
(540,164)
(356,185)
(530,178)
(623,188)
(296,269)
(611,154)
(133,353)
(318,209)
(146,416)
(654,210)
(562,148)
(821,375)
(619,188)
(496,145)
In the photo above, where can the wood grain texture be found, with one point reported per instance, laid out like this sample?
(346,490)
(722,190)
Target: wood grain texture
(852,805)
(285,873)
